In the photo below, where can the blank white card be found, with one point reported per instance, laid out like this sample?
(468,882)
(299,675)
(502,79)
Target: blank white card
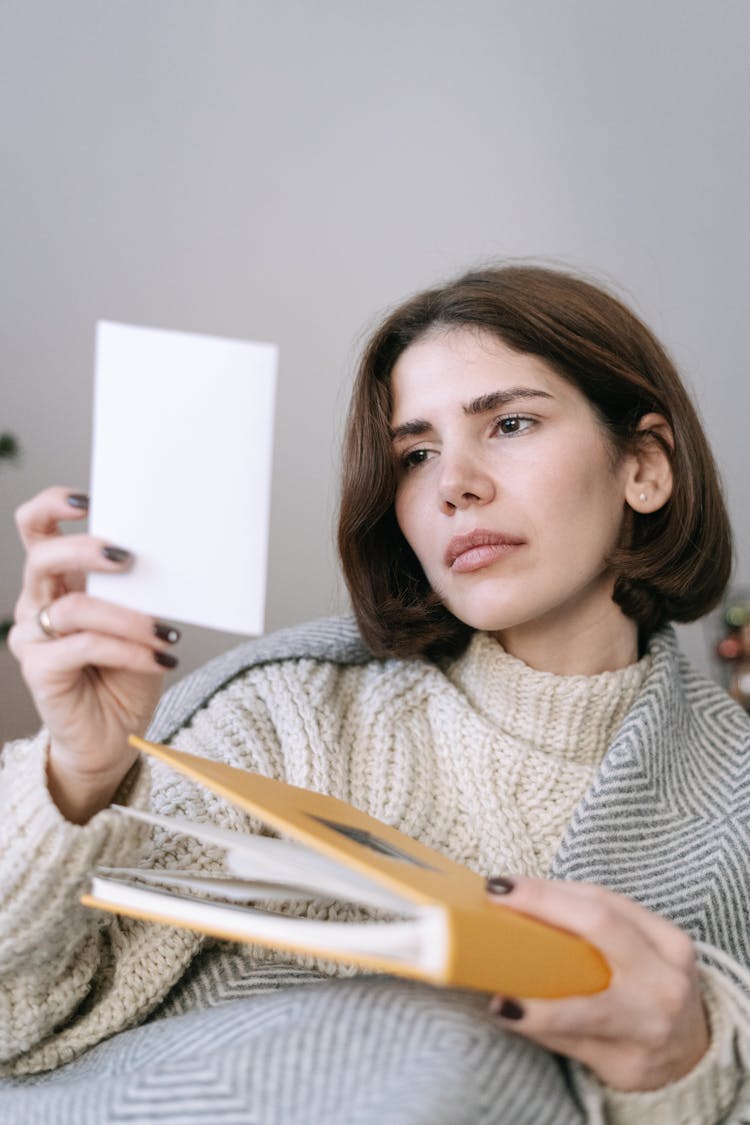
(181,473)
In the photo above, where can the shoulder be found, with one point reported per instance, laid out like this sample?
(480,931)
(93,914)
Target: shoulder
(330,648)
(691,718)
(703,700)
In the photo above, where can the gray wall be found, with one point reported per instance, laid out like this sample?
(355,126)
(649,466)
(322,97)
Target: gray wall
(285,170)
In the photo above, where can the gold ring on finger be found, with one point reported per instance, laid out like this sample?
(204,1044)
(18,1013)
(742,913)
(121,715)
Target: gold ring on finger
(45,624)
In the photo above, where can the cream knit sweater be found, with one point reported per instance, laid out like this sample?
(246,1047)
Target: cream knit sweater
(485,760)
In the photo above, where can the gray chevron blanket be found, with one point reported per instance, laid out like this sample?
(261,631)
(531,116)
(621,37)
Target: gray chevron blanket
(667,821)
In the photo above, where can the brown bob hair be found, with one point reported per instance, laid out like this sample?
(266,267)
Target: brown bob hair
(673,564)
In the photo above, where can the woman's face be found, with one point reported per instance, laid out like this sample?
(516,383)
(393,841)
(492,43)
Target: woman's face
(508,492)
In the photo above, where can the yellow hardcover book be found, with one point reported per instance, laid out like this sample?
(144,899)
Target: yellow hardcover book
(444,929)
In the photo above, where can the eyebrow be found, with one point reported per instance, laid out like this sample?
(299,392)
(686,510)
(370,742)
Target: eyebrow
(482,405)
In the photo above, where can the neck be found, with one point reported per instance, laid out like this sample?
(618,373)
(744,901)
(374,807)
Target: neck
(593,643)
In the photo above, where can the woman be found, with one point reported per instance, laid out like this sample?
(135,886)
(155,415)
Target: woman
(528,499)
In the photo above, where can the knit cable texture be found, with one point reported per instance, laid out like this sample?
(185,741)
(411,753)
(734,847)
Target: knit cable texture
(438,753)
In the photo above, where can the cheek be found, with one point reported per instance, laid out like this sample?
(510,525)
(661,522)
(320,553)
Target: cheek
(581,473)
(406,509)
(580,498)
(409,508)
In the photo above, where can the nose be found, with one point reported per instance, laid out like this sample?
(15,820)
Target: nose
(463,482)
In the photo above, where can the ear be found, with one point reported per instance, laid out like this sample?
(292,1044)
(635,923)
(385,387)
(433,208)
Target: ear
(648,484)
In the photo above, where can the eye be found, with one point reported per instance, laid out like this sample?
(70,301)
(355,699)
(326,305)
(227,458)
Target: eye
(511,424)
(415,457)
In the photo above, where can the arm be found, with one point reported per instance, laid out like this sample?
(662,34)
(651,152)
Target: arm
(660,1043)
(94,669)
(46,859)
(94,673)
(51,948)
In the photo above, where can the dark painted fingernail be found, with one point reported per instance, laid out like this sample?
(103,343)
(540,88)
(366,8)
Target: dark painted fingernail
(166,659)
(116,554)
(507,1008)
(78,500)
(167,632)
(500,885)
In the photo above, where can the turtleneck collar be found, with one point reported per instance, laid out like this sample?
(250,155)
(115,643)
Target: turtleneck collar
(573,716)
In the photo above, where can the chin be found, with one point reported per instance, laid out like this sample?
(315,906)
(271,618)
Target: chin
(490,619)
(489,602)
(490,612)
(495,603)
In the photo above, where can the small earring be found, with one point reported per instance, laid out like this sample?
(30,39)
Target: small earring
(643,497)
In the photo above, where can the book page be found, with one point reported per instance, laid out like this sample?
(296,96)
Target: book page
(277,861)
(418,942)
(181,473)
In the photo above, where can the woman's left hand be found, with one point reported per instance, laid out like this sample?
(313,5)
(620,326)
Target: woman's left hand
(648,1028)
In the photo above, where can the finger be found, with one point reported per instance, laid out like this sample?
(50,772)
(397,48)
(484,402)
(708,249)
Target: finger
(616,925)
(55,661)
(574,1043)
(670,941)
(606,920)
(78,612)
(582,1027)
(40,516)
(52,559)
(565,1020)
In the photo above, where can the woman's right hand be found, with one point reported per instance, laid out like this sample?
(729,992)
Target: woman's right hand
(98,677)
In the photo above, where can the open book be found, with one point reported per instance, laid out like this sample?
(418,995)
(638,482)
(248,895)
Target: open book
(440,926)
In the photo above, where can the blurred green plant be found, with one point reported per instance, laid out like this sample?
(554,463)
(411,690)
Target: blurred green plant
(10,451)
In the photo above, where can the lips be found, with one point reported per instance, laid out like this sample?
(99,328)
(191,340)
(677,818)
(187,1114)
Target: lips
(478,549)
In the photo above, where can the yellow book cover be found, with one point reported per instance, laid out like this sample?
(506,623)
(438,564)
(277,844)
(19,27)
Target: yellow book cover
(446,931)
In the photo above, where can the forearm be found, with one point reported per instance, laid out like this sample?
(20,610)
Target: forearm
(49,943)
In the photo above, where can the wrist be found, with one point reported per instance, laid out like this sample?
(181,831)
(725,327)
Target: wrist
(77,794)
(702,1095)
